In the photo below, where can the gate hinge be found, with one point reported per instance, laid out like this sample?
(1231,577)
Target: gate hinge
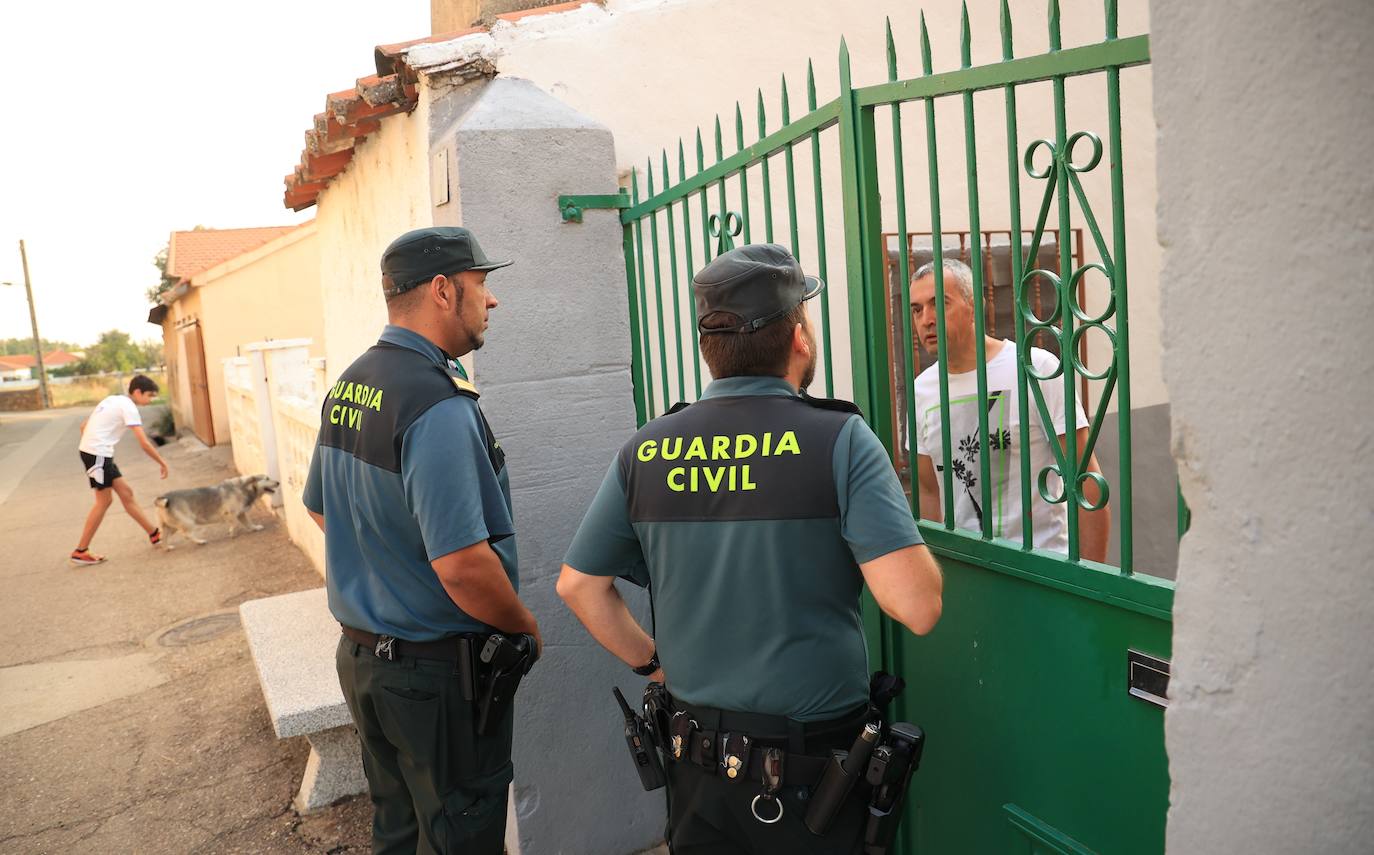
(571,207)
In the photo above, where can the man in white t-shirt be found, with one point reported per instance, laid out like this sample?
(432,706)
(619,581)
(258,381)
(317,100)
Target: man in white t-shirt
(99,434)
(1049,522)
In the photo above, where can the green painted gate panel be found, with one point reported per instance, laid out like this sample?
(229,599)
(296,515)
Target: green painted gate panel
(1022,692)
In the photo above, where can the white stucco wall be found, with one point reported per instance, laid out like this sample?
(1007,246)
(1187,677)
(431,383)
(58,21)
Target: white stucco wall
(655,70)
(383,192)
(1266,217)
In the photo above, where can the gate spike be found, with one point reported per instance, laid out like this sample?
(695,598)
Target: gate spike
(739,128)
(720,148)
(1006,30)
(666,179)
(634,185)
(649,170)
(925,46)
(681,161)
(891,50)
(701,155)
(1111,19)
(786,110)
(845,70)
(763,119)
(1055,41)
(810,86)
(965,39)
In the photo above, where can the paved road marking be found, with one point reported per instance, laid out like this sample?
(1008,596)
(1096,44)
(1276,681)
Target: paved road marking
(31,695)
(15,465)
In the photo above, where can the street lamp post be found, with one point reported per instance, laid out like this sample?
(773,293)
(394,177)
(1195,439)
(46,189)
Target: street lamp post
(33,322)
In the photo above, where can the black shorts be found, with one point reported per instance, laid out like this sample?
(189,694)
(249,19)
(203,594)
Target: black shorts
(107,467)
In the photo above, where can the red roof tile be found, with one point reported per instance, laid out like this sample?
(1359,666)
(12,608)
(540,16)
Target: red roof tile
(55,359)
(512,17)
(196,251)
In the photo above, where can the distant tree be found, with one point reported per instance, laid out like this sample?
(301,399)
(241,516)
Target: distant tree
(14,346)
(165,282)
(115,351)
(151,354)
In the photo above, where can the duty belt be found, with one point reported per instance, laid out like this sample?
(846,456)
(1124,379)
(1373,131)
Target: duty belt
(387,647)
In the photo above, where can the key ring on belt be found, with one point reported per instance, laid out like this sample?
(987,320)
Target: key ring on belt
(754,808)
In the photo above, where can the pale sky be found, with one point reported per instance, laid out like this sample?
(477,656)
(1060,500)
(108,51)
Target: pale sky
(126,121)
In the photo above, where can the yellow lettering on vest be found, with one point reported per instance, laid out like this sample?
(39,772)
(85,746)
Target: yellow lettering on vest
(348,393)
(767,444)
(745,483)
(787,444)
(355,418)
(334,392)
(713,484)
(741,449)
(334,414)
(696,450)
(670,451)
(731,486)
(677,486)
(377,401)
(695,484)
(648,449)
(720,448)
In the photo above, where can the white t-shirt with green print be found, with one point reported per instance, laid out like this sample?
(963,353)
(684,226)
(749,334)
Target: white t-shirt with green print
(1049,522)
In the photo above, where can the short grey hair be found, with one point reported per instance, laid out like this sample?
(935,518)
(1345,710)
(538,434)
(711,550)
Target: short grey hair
(956,271)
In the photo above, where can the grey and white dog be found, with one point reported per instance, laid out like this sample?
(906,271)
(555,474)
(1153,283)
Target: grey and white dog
(185,511)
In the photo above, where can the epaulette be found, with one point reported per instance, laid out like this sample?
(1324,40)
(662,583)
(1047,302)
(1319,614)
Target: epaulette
(464,387)
(837,404)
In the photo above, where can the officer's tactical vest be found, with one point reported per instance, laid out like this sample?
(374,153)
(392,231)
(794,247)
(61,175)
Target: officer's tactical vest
(736,458)
(378,398)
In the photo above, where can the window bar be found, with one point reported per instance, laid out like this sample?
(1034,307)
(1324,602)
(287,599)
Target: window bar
(658,290)
(679,355)
(1069,460)
(705,212)
(976,265)
(820,234)
(643,295)
(1123,340)
(937,259)
(636,350)
(687,257)
(904,280)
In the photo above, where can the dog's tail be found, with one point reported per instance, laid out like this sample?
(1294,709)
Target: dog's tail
(160,501)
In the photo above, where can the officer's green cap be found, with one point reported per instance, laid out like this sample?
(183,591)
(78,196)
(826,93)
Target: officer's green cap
(760,282)
(421,254)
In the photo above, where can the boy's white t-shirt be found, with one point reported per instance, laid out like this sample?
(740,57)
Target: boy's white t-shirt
(107,424)
(1049,522)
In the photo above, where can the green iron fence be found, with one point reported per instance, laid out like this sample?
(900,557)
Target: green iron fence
(675,224)
(1042,739)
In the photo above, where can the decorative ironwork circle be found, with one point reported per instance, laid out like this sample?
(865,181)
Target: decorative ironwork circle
(1024,352)
(1026,281)
(1029,160)
(1104,491)
(1077,310)
(1079,368)
(1093,161)
(725,229)
(1042,485)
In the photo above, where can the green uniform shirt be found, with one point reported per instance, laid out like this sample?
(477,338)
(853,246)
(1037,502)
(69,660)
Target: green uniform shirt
(749,516)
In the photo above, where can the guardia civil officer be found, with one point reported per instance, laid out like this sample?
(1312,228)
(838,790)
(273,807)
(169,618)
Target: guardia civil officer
(411,490)
(756,515)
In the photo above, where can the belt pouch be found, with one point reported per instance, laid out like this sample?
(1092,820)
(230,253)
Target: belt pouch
(703,750)
(734,762)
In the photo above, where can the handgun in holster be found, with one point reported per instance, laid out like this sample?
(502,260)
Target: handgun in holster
(505,660)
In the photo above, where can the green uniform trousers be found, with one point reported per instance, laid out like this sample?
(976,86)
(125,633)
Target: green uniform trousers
(436,786)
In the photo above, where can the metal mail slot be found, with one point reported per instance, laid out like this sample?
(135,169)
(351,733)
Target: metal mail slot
(1148,678)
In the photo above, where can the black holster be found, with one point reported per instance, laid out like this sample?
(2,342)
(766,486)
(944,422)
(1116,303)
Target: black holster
(502,663)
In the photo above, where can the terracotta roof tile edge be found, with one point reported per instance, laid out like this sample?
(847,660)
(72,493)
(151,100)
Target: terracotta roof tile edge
(555,9)
(385,56)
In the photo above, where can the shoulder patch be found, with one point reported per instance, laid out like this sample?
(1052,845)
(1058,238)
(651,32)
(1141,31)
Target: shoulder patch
(836,404)
(464,387)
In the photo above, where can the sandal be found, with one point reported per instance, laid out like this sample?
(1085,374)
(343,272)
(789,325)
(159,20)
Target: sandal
(155,536)
(85,556)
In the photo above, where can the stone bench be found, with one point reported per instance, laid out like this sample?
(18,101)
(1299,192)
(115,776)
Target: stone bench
(292,638)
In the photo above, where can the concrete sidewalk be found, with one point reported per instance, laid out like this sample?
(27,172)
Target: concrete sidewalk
(130,714)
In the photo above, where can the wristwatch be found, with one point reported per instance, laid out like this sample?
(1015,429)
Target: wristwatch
(651,667)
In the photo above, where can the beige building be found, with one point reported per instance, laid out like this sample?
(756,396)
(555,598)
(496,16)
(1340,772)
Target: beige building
(236,286)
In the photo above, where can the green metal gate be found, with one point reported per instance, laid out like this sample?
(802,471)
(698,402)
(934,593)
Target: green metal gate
(1045,723)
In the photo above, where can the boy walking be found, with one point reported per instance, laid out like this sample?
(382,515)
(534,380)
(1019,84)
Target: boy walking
(99,434)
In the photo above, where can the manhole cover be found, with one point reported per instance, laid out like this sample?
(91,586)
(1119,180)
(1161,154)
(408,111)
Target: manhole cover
(198,630)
